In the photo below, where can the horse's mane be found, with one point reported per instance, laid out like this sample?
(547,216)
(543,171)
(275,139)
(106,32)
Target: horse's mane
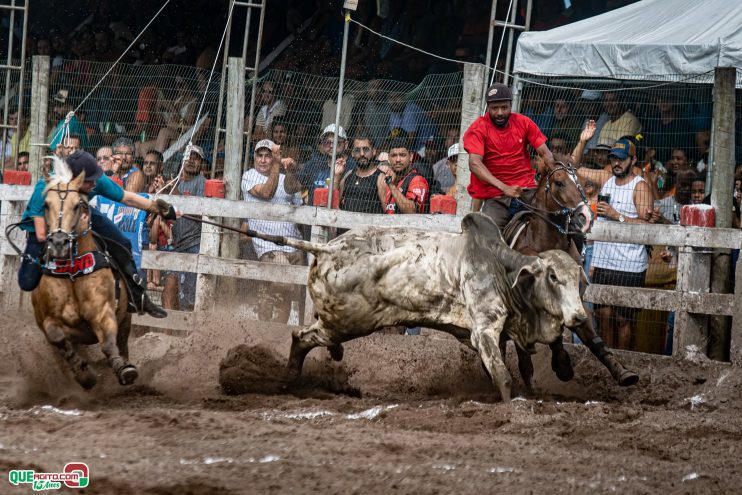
(62,173)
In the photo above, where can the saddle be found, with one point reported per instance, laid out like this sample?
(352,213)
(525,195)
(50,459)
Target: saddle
(515,226)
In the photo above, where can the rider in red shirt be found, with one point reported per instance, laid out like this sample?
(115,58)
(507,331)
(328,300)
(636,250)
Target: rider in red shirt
(499,159)
(400,187)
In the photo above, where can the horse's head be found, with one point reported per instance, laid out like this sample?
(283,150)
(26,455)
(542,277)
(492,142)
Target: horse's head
(65,211)
(565,192)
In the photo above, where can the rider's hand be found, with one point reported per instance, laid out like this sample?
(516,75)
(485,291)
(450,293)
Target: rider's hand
(512,191)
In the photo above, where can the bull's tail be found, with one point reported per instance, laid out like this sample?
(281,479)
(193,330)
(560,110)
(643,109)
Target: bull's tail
(311,247)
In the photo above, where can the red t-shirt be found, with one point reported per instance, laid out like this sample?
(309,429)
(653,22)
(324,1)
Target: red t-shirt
(417,191)
(146,104)
(504,152)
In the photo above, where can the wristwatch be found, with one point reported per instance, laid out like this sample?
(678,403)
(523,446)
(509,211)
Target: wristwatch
(621,218)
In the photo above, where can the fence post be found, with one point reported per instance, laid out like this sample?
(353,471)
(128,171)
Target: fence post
(39,109)
(694,273)
(722,176)
(233,149)
(471,109)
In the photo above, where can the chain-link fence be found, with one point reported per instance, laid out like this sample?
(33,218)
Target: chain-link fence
(647,157)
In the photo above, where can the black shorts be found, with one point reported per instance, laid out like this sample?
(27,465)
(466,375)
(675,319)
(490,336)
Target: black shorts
(603,276)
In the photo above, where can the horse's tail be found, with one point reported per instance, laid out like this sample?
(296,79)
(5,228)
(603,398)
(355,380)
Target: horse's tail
(311,247)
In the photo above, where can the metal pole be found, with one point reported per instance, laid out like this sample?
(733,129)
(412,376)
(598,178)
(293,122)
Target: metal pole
(6,99)
(337,109)
(218,121)
(509,54)
(490,34)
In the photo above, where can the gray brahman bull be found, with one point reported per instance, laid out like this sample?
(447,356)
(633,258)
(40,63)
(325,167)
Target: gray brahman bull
(471,285)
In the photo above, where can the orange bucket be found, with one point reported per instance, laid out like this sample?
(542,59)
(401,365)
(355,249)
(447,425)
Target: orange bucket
(214,188)
(320,197)
(17,177)
(442,203)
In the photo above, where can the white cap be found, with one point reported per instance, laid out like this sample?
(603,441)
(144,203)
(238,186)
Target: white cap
(589,94)
(453,150)
(331,129)
(264,143)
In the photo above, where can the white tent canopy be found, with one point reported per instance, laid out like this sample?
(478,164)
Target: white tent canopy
(639,41)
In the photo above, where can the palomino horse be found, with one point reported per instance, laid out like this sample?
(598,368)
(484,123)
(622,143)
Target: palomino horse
(560,218)
(75,302)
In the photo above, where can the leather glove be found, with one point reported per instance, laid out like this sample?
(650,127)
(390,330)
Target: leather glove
(162,208)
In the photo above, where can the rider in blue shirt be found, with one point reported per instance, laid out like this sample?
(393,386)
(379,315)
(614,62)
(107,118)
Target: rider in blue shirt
(117,245)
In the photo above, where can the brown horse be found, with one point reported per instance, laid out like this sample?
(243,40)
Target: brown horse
(75,302)
(559,218)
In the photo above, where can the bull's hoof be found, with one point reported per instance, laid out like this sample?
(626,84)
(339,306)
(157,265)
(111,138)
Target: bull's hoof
(128,374)
(86,378)
(561,364)
(336,352)
(628,378)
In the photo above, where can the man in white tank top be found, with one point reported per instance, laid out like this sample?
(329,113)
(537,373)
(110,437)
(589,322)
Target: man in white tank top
(625,198)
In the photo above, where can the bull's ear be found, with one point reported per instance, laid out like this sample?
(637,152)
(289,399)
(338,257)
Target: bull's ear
(527,273)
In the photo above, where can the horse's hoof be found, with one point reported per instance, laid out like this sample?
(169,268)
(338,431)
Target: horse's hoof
(86,379)
(561,364)
(336,352)
(628,378)
(128,374)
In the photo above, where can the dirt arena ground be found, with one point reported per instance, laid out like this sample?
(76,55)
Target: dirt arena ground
(398,415)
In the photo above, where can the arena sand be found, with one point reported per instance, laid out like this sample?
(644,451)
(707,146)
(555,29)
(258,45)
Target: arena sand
(213,413)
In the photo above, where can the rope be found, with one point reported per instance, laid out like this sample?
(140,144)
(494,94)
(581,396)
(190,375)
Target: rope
(190,146)
(66,127)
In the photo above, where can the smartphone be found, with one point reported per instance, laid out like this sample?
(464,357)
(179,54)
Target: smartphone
(606,198)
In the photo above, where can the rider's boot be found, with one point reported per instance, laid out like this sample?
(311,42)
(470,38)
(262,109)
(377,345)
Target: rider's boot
(139,301)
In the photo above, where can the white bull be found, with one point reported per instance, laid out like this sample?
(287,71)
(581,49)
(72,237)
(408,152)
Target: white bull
(470,285)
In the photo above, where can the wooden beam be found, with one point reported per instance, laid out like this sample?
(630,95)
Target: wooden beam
(39,110)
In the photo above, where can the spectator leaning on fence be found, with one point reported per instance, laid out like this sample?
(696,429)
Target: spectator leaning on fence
(625,198)
(358,191)
(499,160)
(265,183)
(400,187)
(69,145)
(181,286)
(23,161)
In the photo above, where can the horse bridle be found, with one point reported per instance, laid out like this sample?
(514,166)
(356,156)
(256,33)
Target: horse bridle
(565,211)
(73,236)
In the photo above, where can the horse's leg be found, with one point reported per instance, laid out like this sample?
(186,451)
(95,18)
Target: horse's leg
(587,335)
(56,334)
(105,327)
(122,336)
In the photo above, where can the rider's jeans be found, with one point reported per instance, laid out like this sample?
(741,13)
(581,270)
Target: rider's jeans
(502,209)
(30,272)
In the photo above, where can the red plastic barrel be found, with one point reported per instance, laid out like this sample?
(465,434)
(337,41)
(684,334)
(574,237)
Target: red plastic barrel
(17,177)
(320,197)
(698,216)
(442,203)
(214,188)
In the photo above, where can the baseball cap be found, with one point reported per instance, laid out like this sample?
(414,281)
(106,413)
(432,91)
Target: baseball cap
(61,96)
(198,150)
(264,143)
(331,129)
(498,92)
(589,94)
(81,161)
(453,150)
(622,149)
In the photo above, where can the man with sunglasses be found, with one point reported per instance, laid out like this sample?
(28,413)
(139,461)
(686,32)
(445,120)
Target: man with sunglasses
(316,171)
(358,189)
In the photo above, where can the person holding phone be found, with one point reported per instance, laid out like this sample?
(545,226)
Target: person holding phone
(624,198)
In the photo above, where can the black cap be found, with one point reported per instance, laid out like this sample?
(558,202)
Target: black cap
(82,161)
(498,92)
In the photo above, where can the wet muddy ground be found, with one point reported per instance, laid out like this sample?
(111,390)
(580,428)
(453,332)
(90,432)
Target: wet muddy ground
(398,415)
